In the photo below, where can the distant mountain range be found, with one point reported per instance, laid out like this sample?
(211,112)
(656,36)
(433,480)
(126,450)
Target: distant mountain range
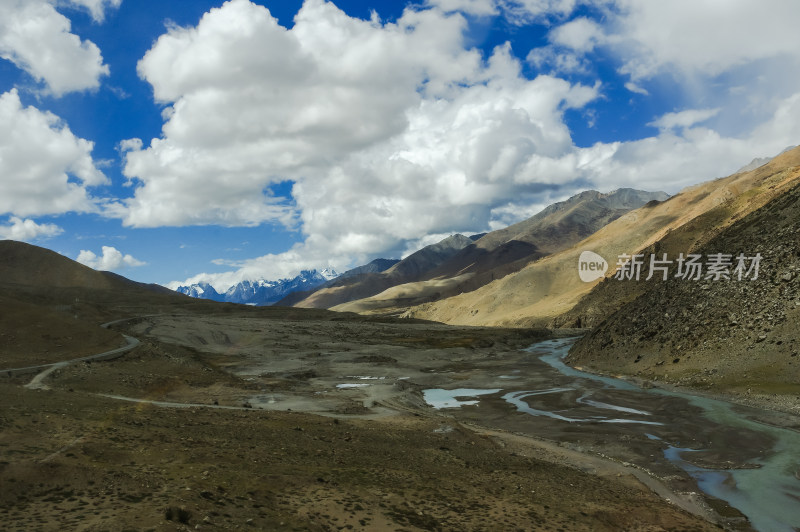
(461,264)
(454,265)
(260,292)
(550,292)
(376,266)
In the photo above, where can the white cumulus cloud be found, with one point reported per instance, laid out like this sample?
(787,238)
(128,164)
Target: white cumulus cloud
(110,260)
(472,7)
(38,39)
(391,132)
(97,8)
(580,34)
(27,230)
(515,11)
(740,54)
(44,167)
(633,87)
(684,119)
(528,11)
(703,36)
(253,104)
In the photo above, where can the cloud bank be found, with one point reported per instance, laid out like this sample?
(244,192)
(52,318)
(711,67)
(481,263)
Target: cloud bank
(389,131)
(39,40)
(44,167)
(393,131)
(111,259)
(27,230)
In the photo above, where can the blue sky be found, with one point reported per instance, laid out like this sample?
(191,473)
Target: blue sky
(218,141)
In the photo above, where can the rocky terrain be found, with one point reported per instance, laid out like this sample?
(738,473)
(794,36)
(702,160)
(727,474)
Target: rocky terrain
(727,335)
(549,291)
(69,461)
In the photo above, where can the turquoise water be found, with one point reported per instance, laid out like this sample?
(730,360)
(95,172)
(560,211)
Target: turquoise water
(768,495)
(518,400)
(439,398)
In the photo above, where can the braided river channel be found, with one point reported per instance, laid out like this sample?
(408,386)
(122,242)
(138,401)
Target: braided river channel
(725,450)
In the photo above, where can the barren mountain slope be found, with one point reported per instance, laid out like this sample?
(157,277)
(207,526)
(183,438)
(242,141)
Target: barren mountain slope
(738,336)
(556,228)
(34,334)
(376,266)
(607,297)
(508,250)
(26,264)
(542,291)
(410,269)
(51,307)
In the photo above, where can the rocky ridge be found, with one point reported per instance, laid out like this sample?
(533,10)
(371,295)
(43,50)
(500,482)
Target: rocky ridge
(733,336)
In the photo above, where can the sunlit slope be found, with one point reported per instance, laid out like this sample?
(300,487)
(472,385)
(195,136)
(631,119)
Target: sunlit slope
(510,249)
(737,336)
(410,269)
(400,297)
(551,287)
(554,229)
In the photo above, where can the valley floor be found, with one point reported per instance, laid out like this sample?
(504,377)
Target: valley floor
(237,422)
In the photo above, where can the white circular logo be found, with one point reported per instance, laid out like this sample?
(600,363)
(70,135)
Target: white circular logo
(591,266)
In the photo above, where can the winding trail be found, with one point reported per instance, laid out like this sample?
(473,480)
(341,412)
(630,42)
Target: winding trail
(44,370)
(36,383)
(169,404)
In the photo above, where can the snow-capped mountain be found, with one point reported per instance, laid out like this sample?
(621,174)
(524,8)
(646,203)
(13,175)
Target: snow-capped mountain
(260,292)
(201,291)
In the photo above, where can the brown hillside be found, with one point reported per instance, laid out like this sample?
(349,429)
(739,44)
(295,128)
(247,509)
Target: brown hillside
(557,227)
(51,307)
(737,336)
(33,334)
(25,264)
(508,250)
(413,268)
(543,291)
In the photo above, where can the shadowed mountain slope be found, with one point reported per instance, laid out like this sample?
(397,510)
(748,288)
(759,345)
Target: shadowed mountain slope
(508,250)
(556,228)
(547,289)
(458,265)
(363,285)
(50,305)
(732,335)
(375,266)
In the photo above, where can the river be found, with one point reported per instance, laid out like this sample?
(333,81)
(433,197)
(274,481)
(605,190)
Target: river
(752,466)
